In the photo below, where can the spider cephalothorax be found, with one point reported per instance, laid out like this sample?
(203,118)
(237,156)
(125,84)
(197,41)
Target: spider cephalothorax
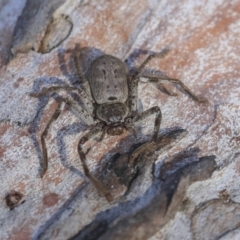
(113,108)
(112,112)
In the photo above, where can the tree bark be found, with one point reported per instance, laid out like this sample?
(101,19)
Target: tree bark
(186,186)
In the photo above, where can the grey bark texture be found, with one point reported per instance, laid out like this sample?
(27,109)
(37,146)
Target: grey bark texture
(186,186)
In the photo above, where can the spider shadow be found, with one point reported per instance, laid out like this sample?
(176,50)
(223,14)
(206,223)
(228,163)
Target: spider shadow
(68,68)
(153,203)
(115,161)
(71,129)
(150,211)
(131,59)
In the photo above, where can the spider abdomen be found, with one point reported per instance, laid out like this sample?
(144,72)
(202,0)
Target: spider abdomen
(108,80)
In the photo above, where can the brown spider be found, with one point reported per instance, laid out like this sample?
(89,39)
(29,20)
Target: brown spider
(113,107)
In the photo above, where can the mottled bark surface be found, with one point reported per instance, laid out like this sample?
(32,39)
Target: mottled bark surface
(186,186)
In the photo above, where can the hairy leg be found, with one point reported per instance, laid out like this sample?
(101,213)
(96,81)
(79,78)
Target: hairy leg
(79,111)
(154,110)
(140,150)
(133,81)
(133,96)
(97,183)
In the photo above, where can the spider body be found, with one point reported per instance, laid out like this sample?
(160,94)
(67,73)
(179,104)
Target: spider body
(113,108)
(108,80)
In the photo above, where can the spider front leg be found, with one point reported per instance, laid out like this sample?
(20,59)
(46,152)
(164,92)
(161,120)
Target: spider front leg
(77,110)
(132,103)
(96,129)
(154,110)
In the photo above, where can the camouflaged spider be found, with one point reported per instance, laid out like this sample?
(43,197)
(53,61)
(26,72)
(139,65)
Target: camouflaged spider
(113,107)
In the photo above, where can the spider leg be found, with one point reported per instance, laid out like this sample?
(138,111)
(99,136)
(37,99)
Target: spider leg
(86,93)
(97,183)
(177,81)
(104,131)
(130,126)
(87,102)
(80,112)
(45,91)
(77,110)
(133,81)
(132,130)
(154,110)
(133,95)
(140,150)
